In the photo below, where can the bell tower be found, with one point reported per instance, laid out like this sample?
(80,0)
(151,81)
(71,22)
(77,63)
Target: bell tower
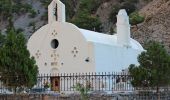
(56,11)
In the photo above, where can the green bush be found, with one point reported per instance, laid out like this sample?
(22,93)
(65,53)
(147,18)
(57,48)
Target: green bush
(17,68)
(21,8)
(154,70)
(89,5)
(133,1)
(8,7)
(5,6)
(70,8)
(31,23)
(27,7)
(130,7)
(45,3)
(83,89)
(19,30)
(87,21)
(84,18)
(44,16)
(112,31)
(33,13)
(114,12)
(120,1)
(135,18)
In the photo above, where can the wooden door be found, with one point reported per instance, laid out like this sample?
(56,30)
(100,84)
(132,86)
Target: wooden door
(55,83)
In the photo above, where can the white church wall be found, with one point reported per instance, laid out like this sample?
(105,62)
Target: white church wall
(114,58)
(68,57)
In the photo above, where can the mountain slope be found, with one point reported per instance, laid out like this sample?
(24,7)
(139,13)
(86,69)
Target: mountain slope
(155,27)
(157,23)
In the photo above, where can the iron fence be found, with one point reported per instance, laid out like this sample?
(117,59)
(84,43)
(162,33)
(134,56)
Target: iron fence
(109,82)
(106,85)
(63,82)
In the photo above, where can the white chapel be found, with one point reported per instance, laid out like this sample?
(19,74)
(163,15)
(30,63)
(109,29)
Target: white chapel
(62,47)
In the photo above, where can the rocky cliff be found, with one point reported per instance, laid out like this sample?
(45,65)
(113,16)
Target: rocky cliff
(157,23)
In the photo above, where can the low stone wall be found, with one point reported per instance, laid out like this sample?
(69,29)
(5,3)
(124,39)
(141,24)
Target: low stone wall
(54,97)
(164,96)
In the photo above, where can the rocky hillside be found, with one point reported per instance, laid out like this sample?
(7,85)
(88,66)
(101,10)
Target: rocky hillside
(157,23)
(27,15)
(99,15)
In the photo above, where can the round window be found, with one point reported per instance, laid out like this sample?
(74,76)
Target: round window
(54,43)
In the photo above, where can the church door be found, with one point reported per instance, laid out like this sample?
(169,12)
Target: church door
(55,83)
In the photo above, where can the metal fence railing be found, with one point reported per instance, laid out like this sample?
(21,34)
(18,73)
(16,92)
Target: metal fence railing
(94,81)
(110,82)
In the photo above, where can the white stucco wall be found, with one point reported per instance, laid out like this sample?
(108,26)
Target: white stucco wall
(114,58)
(69,38)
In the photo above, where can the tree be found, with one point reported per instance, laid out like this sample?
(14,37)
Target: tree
(135,18)
(2,39)
(133,1)
(154,68)
(8,7)
(130,7)
(84,18)
(89,5)
(86,21)
(17,68)
(114,12)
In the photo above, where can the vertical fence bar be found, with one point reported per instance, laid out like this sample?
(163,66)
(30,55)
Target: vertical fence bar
(73,78)
(67,81)
(105,82)
(113,81)
(86,80)
(125,82)
(79,78)
(76,77)
(40,78)
(70,81)
(108,81)
(83,78)
(92,83)
(48,83)
(95,81)
(64,81)
(61,81)
(102,86)
(89,80)
(98,77)
(111,76)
